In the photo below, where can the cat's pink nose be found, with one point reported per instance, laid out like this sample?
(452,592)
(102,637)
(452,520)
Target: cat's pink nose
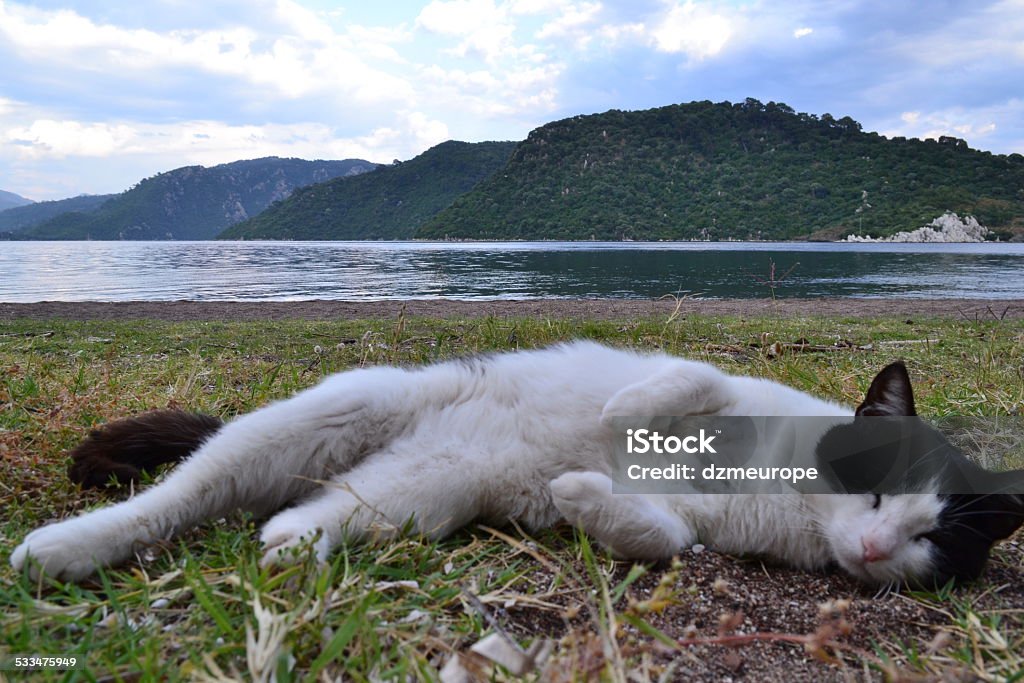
(873,553)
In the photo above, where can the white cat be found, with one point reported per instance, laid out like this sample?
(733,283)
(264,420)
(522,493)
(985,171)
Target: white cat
(522,436)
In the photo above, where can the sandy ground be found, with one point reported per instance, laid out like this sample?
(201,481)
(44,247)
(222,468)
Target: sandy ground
(971,309)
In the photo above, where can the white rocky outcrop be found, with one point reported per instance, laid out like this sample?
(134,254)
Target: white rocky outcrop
(948,227)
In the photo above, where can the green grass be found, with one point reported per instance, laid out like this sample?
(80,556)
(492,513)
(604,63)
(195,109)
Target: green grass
(200,607)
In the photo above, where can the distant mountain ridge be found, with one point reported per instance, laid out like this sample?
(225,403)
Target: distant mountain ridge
(21,217)
(390,202)
(194,202)
(9,200)
(696,171)
(730,171)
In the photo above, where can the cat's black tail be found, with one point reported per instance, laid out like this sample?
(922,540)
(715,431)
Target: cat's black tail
(123,449)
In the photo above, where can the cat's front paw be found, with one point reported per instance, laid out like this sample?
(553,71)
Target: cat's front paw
(67,551)
(284,536)
(578,495)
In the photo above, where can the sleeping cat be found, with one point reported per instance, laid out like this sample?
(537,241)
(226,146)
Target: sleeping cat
(522,436)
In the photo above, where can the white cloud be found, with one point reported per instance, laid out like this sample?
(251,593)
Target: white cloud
(306,58)
(993,31)
(527,88)
(59,139)
(692,30)
(973,125)
(573,20)
(459,17)
(611,34)
(377,41)
(304,23)
(478,82)
(533,7)
(803,31)
(494,72)
(484,28)
(411,130)
(215,142)
(427,132)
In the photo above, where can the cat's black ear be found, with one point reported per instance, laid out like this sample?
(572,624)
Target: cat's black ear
(889,393)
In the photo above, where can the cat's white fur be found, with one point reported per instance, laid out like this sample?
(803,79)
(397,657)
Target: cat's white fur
(522,437)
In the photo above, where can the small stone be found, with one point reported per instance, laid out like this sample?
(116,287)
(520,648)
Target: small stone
(387,585)
(414,615)
(697,549)
(732,661)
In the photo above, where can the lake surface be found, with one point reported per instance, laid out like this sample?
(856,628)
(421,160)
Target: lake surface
(283,271)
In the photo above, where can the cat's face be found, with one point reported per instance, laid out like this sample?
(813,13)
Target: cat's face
(910,533)
(922,539)
(882,539)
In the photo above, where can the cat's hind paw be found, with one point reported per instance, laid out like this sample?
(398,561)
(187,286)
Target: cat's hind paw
(284,538)
(684,388)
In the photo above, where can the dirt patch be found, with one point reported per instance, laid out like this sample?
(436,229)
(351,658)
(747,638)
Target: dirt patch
(601,309)
(776,603)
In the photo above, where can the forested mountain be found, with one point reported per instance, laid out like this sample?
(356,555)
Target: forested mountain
(19,218)
(730,171)
(690,171)
(388,203)
(9,200)
(194,202)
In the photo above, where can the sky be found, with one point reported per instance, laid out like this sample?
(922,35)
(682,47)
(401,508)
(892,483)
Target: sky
(97,95)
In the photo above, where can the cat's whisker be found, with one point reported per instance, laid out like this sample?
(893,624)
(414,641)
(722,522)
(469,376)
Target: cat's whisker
(887,589)
(969,513)
(971,499)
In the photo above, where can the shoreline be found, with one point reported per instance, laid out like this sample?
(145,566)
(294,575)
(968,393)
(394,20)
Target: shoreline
(601,309)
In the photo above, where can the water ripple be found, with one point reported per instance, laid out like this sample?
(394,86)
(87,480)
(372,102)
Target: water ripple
(283,271)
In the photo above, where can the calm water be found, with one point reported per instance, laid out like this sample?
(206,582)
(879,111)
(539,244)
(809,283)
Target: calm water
(210,271)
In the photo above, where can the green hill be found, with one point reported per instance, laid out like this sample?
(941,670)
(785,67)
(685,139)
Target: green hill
(388,203)
(19,218)
(193,202)
(730,171)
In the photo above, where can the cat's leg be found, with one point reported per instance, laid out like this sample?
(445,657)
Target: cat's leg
(388,493)
(629,525)
(237,468)
(679,389)
(258,462)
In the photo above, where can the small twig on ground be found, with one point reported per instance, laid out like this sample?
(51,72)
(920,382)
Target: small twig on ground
(47,333)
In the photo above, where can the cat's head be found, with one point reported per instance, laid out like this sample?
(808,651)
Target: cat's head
(908,528)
